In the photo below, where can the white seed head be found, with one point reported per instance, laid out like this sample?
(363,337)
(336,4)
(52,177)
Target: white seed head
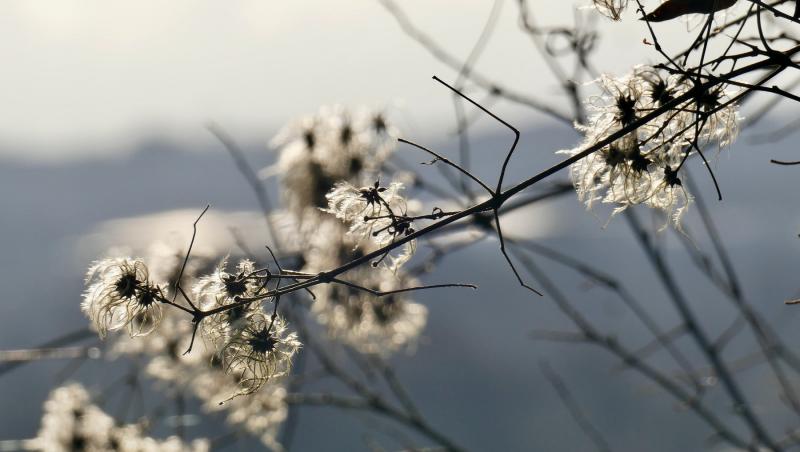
(644,165)
(120,294)
(263,350)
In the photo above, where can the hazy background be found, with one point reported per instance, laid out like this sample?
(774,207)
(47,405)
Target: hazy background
(89,77)
(101,124)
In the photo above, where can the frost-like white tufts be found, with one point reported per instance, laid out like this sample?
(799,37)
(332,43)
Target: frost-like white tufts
(120,294)
(374,213)
(71,423)
(263,350)
(224,289)
(368,323)
(644,165)
(333,145)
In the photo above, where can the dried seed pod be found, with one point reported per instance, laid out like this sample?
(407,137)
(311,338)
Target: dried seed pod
(676,8)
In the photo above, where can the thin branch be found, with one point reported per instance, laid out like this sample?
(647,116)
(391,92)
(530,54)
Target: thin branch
(575,411)
(441,158)
(186,258)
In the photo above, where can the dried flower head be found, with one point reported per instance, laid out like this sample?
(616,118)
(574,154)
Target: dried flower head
(263,350)
(72,423)
(202,371)
(260,413)
(333,145)
(226,289)
(120,294)
(369,323)
(366,322)
(643,166)
(132,438)
(375,213)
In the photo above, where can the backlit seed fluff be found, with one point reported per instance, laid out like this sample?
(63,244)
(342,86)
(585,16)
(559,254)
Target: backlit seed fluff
(261,413)
(369,323)
(262,351)
(644,166)
(335,144)
(375,213)
(71,423)
(201,371)
(119,294)
(223,289)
